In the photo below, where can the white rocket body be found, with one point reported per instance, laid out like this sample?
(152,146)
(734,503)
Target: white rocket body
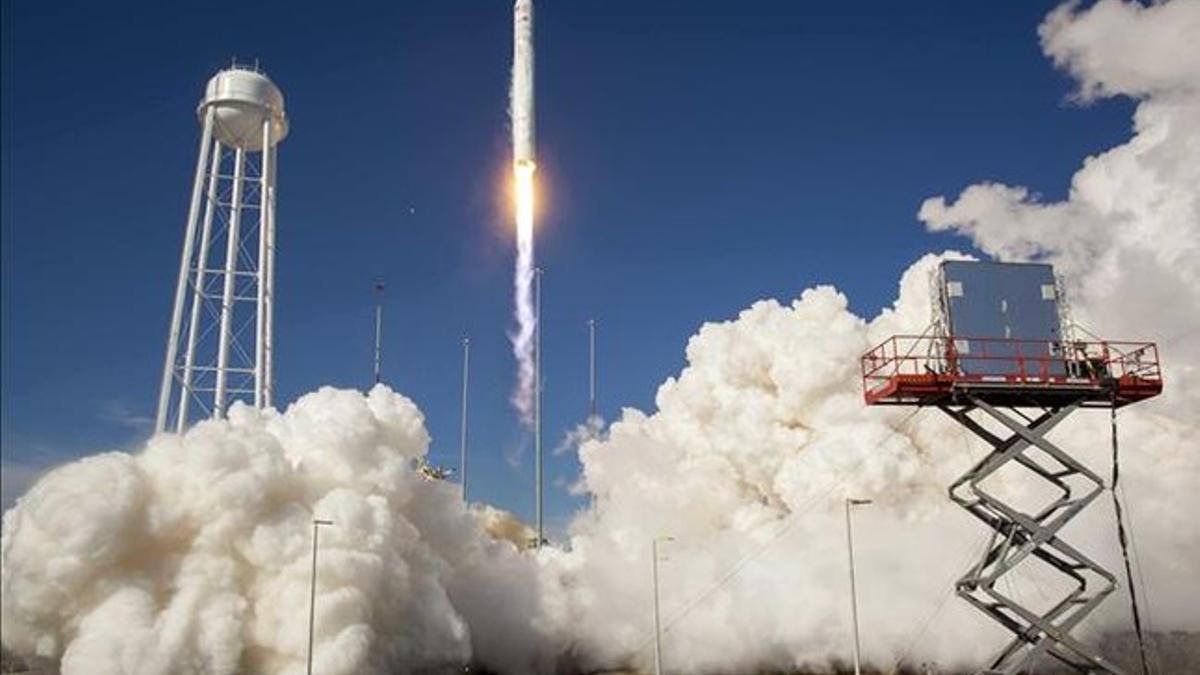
(522,83)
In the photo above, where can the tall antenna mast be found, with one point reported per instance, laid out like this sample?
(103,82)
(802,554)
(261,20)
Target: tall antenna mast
(378,331)
(227,268)
(591,370)
(537,401)
(462,430)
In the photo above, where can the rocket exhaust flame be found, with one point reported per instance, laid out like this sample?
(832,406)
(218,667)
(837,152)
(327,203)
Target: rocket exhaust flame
(521,111)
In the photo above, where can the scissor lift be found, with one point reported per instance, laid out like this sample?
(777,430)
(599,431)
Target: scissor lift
(975,379)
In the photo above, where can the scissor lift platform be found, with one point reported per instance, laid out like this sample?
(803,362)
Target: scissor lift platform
(962,376)
(930,370)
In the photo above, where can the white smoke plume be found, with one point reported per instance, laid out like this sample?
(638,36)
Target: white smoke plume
(193,555)
(591,429)
(522,338)
(524,164)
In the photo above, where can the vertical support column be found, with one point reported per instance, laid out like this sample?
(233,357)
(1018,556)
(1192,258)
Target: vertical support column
(537,401)
(232,246)
(189,239)
(378,370)
(657,620)
(260,305)
(591,372)
(185,386)
(462,430)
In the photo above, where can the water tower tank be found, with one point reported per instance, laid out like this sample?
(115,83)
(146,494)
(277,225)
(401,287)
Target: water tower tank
(242,100)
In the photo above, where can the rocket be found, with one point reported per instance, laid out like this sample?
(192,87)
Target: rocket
(522,84)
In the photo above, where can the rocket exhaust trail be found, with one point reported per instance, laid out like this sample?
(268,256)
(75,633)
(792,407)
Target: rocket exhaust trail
(521,112)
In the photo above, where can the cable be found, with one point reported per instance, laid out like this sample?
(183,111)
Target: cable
(973,551)
(1116,475)
(1131,526)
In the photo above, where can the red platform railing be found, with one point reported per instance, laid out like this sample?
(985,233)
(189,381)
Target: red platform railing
(909,369)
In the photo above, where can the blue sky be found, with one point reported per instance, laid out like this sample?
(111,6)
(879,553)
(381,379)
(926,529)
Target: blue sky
(694,157)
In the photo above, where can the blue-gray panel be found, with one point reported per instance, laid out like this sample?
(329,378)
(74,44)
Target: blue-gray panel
(1002,301)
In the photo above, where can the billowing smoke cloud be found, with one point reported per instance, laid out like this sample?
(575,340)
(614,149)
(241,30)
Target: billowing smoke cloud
(746,463)
(193,555)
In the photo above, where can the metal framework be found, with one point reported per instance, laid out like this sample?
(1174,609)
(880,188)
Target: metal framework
(1055,379)
(219,348)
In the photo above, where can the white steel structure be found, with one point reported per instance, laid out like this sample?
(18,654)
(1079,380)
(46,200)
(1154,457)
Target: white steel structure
(220,339)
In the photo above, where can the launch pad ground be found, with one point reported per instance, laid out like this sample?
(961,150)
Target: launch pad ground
(1173,652)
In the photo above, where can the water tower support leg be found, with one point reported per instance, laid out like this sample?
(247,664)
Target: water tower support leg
(261,270)
(1023,535)
(189,240)
(187,391)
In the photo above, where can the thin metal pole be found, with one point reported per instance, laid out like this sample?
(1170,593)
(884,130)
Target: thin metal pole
(378,332)
(210,208)
(537,400)
(378,339)
(189,239)
(853,589)
(312,599)
(260,319)
(232,246)
(591,370)
(462,430)
(657,620)
(312,592)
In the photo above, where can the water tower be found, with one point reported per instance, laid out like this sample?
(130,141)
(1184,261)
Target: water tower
(219,344)
(996,360)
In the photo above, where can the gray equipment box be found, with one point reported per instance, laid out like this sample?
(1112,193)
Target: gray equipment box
(1003,317)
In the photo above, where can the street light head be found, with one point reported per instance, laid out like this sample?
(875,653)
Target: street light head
(319,521)
(858,502)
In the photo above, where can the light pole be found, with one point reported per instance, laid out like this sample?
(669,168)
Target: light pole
(657,620)
(312,593)
(378,332)
(462,430)
(853,591)
(537,403)
(591,371)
